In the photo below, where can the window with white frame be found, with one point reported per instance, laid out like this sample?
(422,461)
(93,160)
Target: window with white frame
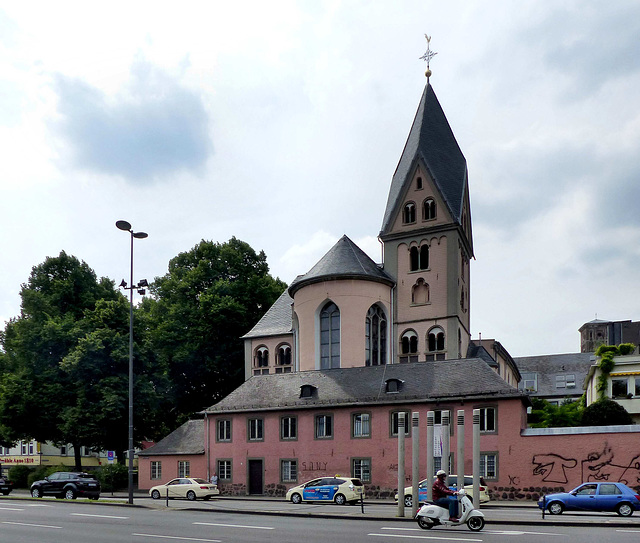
(619,387)
(223,430)
(224,470)
(184,468)
(324,426)
(571,380)
(361,425)
(561,381)
(489,465)
(289,471)
(529,382)
(361,469)
(288,428)
(255,430)
(156,470)
(488,419)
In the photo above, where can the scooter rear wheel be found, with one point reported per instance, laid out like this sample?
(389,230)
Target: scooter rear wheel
(475,524)
(424,523)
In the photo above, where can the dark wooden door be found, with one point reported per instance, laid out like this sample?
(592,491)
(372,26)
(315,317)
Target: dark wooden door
(255,477)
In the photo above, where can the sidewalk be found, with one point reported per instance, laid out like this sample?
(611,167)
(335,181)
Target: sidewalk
(496,512)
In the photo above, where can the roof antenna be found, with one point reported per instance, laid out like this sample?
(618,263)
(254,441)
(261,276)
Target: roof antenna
(428,56)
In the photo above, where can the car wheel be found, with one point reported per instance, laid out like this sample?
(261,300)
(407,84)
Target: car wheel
(69,494)
(296,498)
(340,499)
(191,496)
(475,524)
(36,493)
(424,523)
(624,510)
(556,508)
(408,500)
(155,494)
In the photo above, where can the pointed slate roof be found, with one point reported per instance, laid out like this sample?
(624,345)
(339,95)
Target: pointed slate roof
(419,382)
(276,321)
(431,140)
(345,260)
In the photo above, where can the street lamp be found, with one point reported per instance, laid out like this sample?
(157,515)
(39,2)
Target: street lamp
(124,225)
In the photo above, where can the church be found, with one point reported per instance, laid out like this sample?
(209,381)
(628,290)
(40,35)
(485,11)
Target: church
(352,343)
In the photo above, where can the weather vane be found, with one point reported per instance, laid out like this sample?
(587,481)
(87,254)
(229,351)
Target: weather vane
(428,56)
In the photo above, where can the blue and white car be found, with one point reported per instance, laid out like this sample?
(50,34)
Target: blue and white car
(605,496)
(340,490)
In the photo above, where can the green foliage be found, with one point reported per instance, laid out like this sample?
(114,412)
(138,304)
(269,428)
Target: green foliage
(19,475)
(212,295)
(113,477)
(546,415)
(64,372)
(605,412)
(607,363)
(626,348)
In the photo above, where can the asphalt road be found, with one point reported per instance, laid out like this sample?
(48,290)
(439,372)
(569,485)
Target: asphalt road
(54,521)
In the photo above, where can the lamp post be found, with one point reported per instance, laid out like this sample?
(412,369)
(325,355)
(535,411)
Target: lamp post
(124,225)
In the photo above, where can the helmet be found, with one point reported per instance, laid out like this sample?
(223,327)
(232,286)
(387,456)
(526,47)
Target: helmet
(440,472)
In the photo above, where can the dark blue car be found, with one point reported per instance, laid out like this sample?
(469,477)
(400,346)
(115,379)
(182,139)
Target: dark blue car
(607,496)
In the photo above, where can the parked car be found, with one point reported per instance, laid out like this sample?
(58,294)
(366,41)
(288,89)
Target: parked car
(67,484)
(607,496)
(452,481)
(190,488)
(341,490)
(6,486)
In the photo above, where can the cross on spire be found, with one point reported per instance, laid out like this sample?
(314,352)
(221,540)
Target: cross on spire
(428,56)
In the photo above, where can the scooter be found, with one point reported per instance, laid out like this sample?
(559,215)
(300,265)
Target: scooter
(430,515)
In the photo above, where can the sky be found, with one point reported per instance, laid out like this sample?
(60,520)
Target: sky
(281,123)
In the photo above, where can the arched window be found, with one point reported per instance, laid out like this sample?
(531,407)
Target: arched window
(375,337)
(459,343)
(409,347)
(419,257)
(409,213)
(420,292)
(283,359)
(330,337)
(429,209)
(435,343)
(262,357)
(261,361)
(419,183)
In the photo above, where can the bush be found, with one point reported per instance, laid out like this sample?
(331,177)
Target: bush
(626,348)
(605,412)
(113,477)
(19,475)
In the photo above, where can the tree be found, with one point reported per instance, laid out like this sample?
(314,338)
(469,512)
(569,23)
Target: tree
(64,369)
(605,412)
(547,415)
(211,296)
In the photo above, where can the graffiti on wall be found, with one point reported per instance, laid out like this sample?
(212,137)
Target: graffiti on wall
(602,465)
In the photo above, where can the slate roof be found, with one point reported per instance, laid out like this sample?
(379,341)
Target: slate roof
(187,439)
(345,260)
(431,140)
(276,321)
(420,382)
(551,365)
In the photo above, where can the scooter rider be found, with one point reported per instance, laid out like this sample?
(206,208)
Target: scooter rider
(444,497)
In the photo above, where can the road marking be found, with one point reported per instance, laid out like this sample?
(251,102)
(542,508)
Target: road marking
(439,538)
(97,516)
(518,532)
(32,525)
(181,538)
(629,531)
(234,526)
(10,509)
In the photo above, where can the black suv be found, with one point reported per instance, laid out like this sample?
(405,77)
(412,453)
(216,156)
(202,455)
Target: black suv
(6,486)
(67,484)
